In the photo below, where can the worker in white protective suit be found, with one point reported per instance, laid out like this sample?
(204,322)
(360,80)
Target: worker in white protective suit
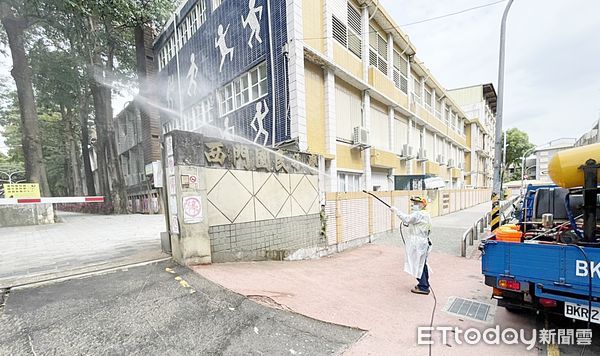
(418,244)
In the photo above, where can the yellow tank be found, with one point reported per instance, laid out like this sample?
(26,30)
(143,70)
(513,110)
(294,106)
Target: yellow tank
(564,170)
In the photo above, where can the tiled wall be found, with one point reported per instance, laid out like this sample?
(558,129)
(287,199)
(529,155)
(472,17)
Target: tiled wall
(238,196)
(210,77)
(274,239)
(259,215)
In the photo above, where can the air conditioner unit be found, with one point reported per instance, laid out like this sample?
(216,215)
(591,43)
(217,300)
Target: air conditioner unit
(407,151)
(422,154)
(460,165)
(441,160)
(360,136)
(450,163)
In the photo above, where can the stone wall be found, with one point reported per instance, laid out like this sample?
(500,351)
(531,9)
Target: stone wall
(26,214)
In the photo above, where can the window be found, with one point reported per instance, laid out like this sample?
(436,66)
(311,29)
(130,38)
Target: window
(438,109)
(417,90)
(197,115)
(354,31)
(349,36)
(400,72)
(339,32)
(377,51)
(247,88)
(216,3)
(348,182)
(199,14)
(428,99)
(447,116)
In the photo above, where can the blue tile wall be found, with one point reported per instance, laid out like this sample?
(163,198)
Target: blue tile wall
(207,59)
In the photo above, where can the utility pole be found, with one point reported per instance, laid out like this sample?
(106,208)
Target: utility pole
(498,147)
(503,168)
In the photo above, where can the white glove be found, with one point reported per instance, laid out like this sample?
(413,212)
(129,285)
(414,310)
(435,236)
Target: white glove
(394,209)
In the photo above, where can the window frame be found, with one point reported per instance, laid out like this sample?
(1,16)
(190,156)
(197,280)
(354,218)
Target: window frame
(261,85)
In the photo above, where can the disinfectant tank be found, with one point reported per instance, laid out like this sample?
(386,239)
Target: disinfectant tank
(564,170)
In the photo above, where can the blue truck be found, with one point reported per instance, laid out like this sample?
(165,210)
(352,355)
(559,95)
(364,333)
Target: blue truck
(555,267)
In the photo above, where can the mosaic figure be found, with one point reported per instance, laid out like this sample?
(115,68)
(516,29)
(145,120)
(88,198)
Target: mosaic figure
(252,20)
(221,44)
(191,76)
(170,87)
(229,131)
(259,118)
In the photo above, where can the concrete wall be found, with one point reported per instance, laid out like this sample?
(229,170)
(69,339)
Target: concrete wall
(235,202)
(27,214)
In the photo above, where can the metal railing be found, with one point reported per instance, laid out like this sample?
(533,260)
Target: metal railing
(472,233)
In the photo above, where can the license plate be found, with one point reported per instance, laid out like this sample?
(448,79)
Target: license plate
(580,312)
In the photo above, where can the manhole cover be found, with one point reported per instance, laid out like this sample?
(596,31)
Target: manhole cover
(469,308)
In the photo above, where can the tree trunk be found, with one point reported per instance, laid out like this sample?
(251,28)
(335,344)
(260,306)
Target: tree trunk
(32,149)
(85,143)
(108,158)
(73,152)
(100,147)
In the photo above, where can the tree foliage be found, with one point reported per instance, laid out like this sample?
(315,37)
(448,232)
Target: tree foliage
(517,144)
(76,54)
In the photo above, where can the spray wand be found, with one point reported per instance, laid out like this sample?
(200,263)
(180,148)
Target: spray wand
(389,206)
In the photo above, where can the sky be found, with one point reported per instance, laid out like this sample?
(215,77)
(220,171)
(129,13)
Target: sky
(552,76)
(552,68)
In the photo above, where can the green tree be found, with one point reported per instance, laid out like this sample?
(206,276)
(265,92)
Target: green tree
(517,144)
(17,16)
(57,79)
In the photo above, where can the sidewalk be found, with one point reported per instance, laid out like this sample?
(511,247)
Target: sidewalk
(367,288)
(446,230)
(80,242)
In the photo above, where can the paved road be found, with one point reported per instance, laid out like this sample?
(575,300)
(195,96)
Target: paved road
(80,242)
(446,230)
(149,311)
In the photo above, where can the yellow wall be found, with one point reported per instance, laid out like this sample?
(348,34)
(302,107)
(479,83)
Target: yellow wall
(347,158)
(384,159)
(315,107)
(348,61)
(312,15)
(468,134)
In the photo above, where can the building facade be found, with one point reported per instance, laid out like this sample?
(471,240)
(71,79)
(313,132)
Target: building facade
(132,147)
(543,154)
(479,105)
(590,137)
(337,78)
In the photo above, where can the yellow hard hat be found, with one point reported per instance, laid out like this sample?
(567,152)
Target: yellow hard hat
(419,199)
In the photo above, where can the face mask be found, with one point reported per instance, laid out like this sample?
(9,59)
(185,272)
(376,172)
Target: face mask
(416,207)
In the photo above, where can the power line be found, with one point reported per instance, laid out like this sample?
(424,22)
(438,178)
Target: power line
(417,22)
(453,13)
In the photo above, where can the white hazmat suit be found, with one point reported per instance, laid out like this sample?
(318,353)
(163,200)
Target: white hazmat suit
(417,244)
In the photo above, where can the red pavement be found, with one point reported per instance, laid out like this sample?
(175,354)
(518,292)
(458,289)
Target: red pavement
(367,288)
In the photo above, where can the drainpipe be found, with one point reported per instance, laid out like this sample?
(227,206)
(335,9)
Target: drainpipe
(272,53)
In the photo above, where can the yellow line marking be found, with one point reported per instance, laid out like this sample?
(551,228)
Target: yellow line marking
(553,350)
(184,284)
(169,270)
